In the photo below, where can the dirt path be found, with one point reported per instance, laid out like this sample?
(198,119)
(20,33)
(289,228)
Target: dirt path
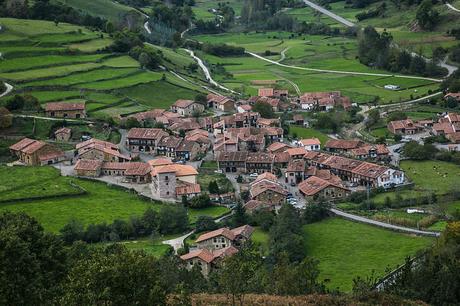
(329,13)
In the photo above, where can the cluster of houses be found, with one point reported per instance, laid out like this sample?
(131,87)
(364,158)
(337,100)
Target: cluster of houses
(448,125)
(167,180)
(213,247)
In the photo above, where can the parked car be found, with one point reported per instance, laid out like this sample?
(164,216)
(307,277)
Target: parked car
(218,171)
(253,175)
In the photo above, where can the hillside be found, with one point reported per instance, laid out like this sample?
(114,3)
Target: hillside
(67,62)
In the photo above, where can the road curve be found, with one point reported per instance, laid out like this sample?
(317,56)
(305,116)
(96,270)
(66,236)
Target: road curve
(453,7)
(329,13)
(343,72)
(9,87)
(207,73)
(383,224)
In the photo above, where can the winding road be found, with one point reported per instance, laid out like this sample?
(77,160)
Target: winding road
(343,72)
(9,87)
(453,8)
(206,72)
(383,224)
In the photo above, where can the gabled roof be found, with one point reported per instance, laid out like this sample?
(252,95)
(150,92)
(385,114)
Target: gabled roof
(179,170)
(18,146)
(276,146)
(181,103)
(88,164)
(64,106)
(185,188)
(208,256)
(146,133)
(296,151)
(343,144)
(266,176)
(163,161)
(310,142)
(260,187)
(63,130)
(314,184)
(224,231)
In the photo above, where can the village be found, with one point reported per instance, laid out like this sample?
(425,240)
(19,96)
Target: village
(161,157)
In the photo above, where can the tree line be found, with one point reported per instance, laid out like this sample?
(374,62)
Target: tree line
(377,50)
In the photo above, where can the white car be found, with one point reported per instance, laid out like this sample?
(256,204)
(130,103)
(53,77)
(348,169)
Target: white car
(253,175)
(218,171)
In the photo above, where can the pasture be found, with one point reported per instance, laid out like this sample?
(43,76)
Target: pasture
(64,62)
(100,204)
(347,250)
(307,52)
(302,133)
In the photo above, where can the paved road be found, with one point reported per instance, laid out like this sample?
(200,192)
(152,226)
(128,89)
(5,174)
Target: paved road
(329,13)
(9,87)
(178,242)
(452,7)
(283,55)
(343,72)
(52,119)
(383,224)
(207,73)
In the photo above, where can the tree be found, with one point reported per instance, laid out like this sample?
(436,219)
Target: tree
(132,122)
(172,219)
(285,234)
(109,27)
(72,231)
(239,216)
(200,201)
(202,99)
(426,16)
(237,274)
(213,187)
(33,262)
(144,59)
(108,276)
(15,103)
(264,109)
(205,223)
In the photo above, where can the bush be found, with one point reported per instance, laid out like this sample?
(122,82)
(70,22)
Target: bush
(200,201)
(204,224)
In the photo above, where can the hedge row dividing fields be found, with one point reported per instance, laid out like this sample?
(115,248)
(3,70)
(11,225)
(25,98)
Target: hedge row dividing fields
(69,63)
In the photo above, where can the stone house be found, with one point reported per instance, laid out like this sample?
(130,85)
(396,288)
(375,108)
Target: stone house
(224,237)
(232,161)
(342,146)
(63,134)
(405,127)
(168,181)
(168,145)
(36,153)
(206,260)
(220,103)
(266,189)
(186,108)
(144,139)
(88,167)
(315,188)
(100,150)
(65,110)
(259,162)
(188,150)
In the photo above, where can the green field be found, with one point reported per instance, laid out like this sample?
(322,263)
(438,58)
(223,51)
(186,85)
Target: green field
(436,176)
(37,62)
(101,203)
(103,8)
(303,133)
(346,250)
(149,246)
(307,51)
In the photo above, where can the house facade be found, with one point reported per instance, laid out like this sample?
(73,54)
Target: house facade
(65,110)
(33,152)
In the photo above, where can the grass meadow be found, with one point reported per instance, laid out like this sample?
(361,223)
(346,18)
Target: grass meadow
(101,203)
(307,51)
(347,250)
(65,62)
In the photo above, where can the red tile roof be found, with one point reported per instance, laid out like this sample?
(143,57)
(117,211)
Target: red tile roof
(181,103)
(88,165)
(224,231)
(64,106)
(343,144)
(146,133)
(314,184)
(63,130)
(310,141)
(22,144)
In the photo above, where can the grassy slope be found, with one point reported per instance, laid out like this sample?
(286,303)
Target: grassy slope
(28,66)
(101,204)
(303,133)
(347,250)
(103,8)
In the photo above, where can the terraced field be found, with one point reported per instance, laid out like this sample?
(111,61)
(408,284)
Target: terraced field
(67,62)
(318,52)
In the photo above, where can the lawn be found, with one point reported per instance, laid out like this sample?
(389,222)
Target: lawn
(303,133)
(40,182)
(261,239)
(103,8)
(127,81)
(48,72)
(206,176)
(149,246)
(213,211)
(347,249)
(437,176)
(37,27)
(92,45)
